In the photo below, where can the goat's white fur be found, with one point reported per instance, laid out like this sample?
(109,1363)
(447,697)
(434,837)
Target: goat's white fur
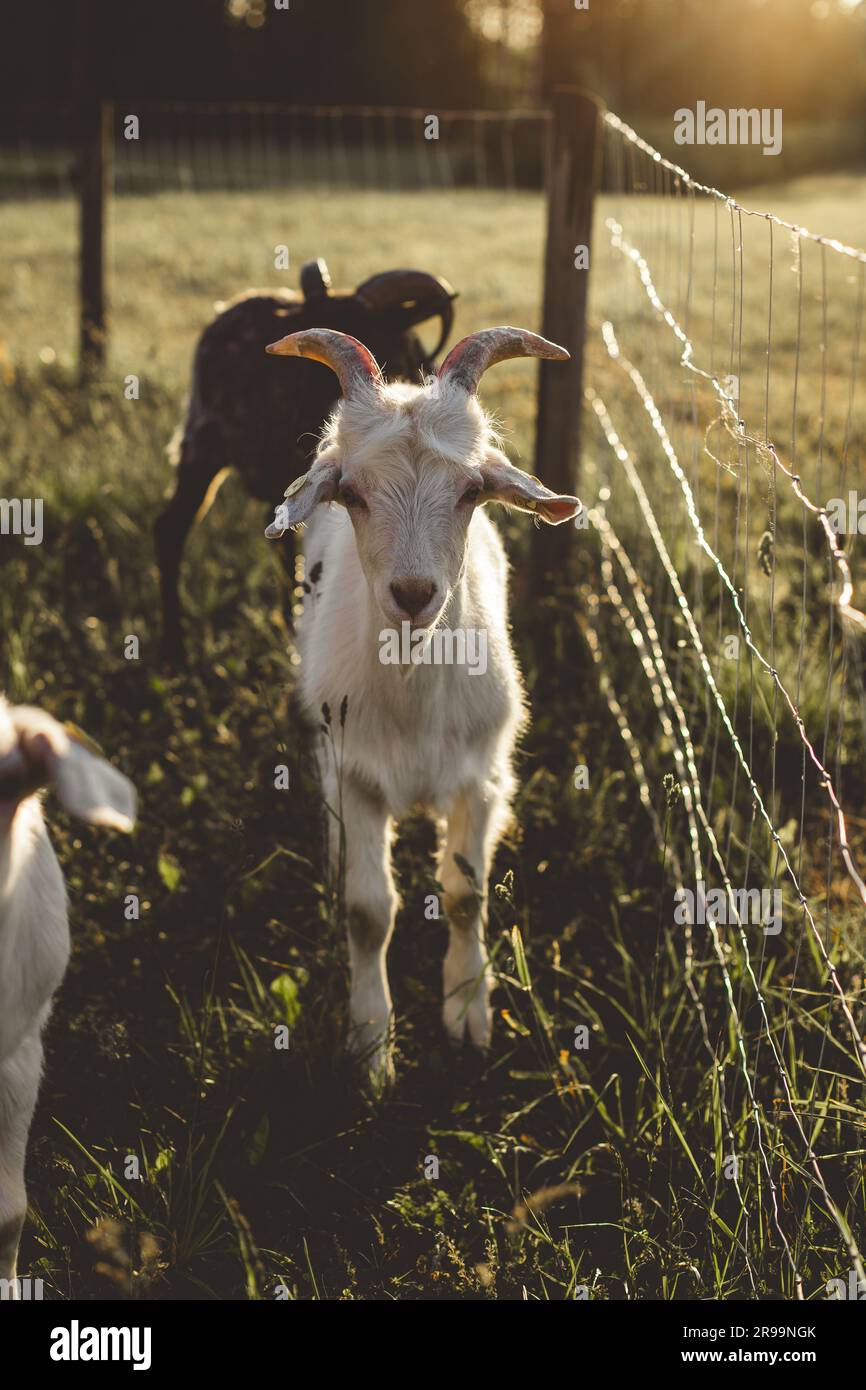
(34,930)
(431,735)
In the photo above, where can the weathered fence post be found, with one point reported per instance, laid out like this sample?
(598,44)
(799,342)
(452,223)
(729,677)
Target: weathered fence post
(94,164)
(574,168)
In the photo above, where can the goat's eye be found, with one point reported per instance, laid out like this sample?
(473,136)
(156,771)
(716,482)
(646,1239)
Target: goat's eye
(471,494)
(350,498)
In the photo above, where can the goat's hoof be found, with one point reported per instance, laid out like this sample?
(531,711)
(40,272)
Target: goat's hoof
(464,1013)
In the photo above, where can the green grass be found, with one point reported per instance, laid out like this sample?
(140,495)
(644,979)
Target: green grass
(559,1167)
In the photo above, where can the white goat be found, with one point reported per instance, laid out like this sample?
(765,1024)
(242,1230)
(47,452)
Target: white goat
(36,751)
(410,551)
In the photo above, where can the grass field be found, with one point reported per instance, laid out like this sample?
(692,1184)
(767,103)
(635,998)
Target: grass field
(558,1168)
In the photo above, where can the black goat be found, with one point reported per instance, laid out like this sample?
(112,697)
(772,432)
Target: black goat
(263,416)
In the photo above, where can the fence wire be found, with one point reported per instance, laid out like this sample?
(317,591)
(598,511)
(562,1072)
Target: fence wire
(200,146)
(201,197)
(728,418)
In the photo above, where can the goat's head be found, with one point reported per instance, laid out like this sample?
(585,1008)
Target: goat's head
(36,751)
(411,464)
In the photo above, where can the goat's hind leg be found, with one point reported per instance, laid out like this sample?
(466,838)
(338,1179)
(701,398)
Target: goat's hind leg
(475,822)
(201,470)
(19,1083)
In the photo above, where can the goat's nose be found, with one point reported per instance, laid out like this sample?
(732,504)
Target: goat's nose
(412,595)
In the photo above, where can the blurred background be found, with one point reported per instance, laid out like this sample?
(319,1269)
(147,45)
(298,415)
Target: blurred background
(645,58)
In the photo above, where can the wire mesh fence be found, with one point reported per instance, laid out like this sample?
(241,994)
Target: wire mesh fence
(728,413)
(158,146)
(201,197)
(199,146)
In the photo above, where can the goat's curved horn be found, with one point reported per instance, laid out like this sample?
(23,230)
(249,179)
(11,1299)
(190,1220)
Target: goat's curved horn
(353,364)
(413,296)
(467,362)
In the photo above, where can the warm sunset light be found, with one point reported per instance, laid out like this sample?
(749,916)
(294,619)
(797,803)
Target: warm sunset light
(432,685)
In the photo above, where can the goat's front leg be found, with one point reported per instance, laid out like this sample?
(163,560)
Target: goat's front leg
(19,1082)
(371,906)
(474,825)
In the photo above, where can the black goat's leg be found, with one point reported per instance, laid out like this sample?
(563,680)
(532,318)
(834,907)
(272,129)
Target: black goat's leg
(200,472)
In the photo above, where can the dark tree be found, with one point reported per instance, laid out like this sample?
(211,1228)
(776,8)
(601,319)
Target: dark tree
(329,51)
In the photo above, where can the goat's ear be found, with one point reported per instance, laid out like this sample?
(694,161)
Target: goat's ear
(88,786)
(305,494)
(507,484)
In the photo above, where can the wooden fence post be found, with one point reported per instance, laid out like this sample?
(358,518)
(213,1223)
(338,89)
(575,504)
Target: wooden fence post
(94,164)
(574,168)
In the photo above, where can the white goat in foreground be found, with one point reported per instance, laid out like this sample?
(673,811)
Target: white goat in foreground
(409,550)
(36,751)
